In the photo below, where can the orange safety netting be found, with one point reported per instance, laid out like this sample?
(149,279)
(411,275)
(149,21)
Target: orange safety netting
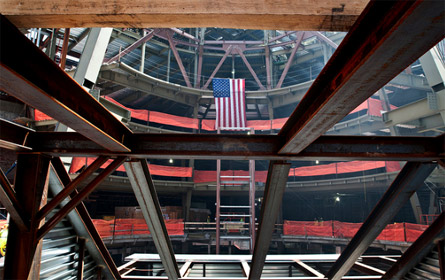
(117,227)
(394,232)
(201,176)
(160,170)
(374,107)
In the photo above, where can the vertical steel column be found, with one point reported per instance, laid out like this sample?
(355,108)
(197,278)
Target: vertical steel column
(198,75)
(218,203)
(168,64)
(92,57)
(31,184)
(252,200)
(142,66)
(80,259)
(66,39)
(268,69)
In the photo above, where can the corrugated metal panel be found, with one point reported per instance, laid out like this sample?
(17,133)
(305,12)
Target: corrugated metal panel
(60,252)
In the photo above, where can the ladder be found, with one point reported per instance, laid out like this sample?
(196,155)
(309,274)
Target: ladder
(231,180)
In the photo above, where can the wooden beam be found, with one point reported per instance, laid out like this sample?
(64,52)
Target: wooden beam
(273,196)
(332,15)
(31,76)
(387,37)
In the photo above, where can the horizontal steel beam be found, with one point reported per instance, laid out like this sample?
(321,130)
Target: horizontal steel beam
(410,178)
(31,76)
(207,146)
(387,37)
(13,136)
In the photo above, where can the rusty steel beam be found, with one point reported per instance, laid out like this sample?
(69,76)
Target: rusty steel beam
(273,197)
(80,258)
(66,39)
(410,178)
(387,37)
(418,250)
(76,200)
(10,202)
(178,60)
(200,58)
(252,72)
(324,38)
(31,186)
(71,187)
(132,47)
(13,136)
(145,193)
(266,147)
(291,58)
(220,63)
(29,75)
(65,179)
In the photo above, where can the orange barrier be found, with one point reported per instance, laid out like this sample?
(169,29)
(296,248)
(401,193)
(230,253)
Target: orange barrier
(160,170)
(404,232)
(134,227)
(374,107)
(201,176)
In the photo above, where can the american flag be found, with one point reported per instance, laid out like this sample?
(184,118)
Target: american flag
(230,103)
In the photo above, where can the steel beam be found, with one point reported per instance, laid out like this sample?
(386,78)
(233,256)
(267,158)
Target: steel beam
(66,39)
(10,202)
(80,258)
(273,196)
(43,85)
(145,193)
(290,59)
(220,63)
(132,47)
(252,72)
(31,183)
(418,250)
(13,136)
(198,75)
(372,53)
(265,147)
(218,206)
(55,201)
(77,199)
(324,39)
(410,178)
(178,60)
(64,179)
